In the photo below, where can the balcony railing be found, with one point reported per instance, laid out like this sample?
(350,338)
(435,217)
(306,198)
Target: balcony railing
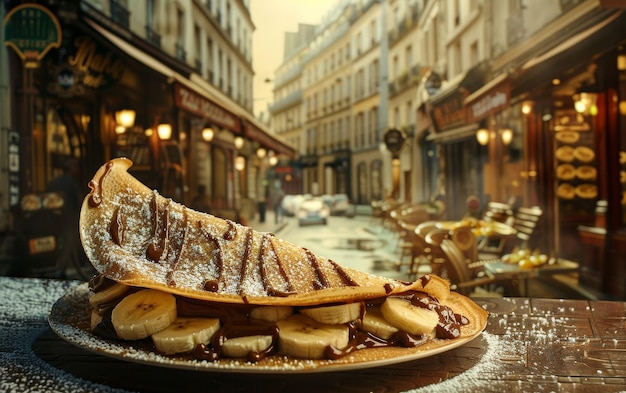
(153,37)
(181,53)
(119,14)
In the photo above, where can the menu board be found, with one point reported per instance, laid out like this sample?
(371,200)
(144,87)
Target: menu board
(575,162)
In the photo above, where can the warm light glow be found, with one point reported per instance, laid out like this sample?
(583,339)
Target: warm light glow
(273,160)
(482,136)
(621,62)
(507,136)
(622,108)
(125,118)
(208,134)
(584,103)
(527,107)
(148,132)
(238,142)
(240,163)
(119,130)
(261,152)
(164,131)
(556,81)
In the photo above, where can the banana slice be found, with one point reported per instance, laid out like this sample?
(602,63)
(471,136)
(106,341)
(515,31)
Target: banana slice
(108,295)
(409,318)
(302,337)
(335,315)
(240,347)
(375,323)
(184,334)
(141,314)
(271,313)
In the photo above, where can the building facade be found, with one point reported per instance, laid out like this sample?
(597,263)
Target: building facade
(494,98)
(180,71)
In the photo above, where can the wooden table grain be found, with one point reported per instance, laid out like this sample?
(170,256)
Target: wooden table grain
(544,345)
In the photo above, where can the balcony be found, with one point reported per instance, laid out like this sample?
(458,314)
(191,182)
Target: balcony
(153,37)
(119,14)
(181,53)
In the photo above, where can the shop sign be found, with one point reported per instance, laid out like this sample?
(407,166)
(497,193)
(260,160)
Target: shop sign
(449,111)
(432,83)
(255,134)
(14,168)
(198,105)
(31,30)
(394,140)
(493,101)
(99,68)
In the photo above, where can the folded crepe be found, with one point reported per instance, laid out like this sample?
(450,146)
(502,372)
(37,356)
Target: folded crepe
(136,237)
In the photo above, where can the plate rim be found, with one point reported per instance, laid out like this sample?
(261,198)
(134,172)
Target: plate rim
(78,337)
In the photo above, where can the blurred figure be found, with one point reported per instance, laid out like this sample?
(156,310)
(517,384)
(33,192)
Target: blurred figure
(277,204)
(201,202)
(67,185)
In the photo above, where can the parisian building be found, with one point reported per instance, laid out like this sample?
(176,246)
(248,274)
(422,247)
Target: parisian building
(167,84)
(520,102)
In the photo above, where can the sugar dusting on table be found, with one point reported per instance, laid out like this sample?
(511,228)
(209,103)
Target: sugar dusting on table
(22,321)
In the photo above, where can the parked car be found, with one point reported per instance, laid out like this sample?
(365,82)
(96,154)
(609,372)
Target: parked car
(313,211)
(290,204)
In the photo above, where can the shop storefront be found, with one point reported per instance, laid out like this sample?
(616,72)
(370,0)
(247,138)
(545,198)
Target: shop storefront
(575,138)
(460,159)
(98,95)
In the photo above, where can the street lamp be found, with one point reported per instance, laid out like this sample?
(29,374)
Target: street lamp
(394,140)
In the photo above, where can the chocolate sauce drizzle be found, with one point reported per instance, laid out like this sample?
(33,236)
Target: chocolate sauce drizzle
(118,227)
(322,280)
(95,196)
(345,277)
(171,281)
(246,257)
(266,242)
(159,244)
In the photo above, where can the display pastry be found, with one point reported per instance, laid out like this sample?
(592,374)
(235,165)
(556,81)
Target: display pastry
(195,283)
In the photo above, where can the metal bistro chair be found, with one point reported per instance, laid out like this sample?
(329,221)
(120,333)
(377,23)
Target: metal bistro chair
(464,277)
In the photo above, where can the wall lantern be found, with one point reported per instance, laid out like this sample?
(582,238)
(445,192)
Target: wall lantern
(585,103)
(482,136)
(208,134)
(273,160)
(125,118)
(240,163)
(527,107)
(238,142)
(621,62)
(261,152)
(164,131)
(507,136)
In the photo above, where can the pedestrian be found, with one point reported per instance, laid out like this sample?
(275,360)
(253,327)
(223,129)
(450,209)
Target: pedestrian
(201,202)
(68,187)
(277,201)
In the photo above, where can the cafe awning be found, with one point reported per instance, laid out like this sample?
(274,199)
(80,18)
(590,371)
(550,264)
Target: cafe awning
(201,98)
(492,97)
(581,47)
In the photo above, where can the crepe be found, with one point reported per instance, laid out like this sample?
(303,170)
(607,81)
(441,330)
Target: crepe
(138,238)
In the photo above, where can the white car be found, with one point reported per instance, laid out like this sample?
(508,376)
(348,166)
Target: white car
(313,211)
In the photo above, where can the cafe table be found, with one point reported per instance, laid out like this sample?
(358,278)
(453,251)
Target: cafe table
(543,345)
(503,271)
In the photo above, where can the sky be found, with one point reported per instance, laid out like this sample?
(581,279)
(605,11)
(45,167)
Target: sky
(272,19)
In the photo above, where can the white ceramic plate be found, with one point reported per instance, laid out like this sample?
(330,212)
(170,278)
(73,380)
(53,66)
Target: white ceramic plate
(70,319)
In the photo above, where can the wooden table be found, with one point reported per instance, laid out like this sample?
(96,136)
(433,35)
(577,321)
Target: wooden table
(528,345)
(512,271)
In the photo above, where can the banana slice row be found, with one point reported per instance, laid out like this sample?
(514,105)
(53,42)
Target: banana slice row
(305,334)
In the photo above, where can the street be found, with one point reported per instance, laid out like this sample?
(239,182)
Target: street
(356,243)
